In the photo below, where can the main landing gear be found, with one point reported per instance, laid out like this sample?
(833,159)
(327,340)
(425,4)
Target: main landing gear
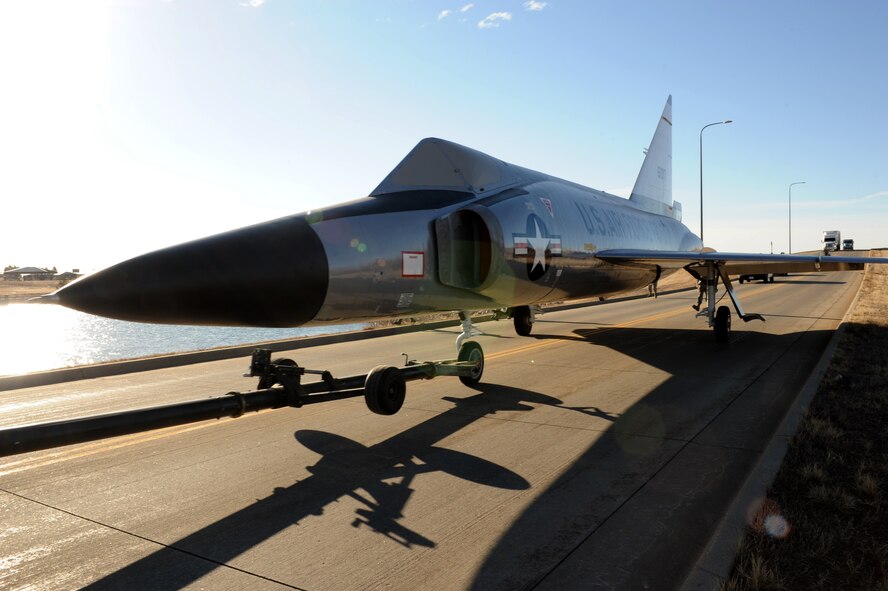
(719,318)
(523,317)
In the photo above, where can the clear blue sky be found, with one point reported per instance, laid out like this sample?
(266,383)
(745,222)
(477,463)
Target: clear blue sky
(132,125)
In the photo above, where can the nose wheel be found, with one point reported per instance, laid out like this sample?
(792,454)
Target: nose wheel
(471,352)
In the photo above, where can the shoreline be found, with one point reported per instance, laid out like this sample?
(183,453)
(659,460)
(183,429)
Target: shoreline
(24,290)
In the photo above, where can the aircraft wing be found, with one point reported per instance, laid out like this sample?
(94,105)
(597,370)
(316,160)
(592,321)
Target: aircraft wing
(737,263)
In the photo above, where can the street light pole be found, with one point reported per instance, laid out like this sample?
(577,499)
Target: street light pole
(790,214)
(701,171)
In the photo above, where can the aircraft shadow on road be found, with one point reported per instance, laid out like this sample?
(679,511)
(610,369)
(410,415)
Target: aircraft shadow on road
(655,547)
(704,381)
(346,468)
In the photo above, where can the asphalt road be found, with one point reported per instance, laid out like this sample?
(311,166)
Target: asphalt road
(598,453)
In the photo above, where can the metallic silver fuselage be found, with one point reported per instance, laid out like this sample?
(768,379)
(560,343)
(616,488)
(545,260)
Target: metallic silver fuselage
(374,258)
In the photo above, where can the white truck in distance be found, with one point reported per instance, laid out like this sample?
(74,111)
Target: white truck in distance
(832,239)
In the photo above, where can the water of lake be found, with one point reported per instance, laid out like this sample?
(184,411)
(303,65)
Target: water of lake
(36,337)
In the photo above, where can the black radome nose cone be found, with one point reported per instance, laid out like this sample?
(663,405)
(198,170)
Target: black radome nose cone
(273,274)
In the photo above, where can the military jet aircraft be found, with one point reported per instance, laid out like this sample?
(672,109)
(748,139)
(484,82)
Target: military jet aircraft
(449,229)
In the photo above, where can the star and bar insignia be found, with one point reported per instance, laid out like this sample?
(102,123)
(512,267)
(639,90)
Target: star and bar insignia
(538,240)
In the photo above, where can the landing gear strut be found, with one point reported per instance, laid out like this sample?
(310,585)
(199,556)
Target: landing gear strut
(719,319)
(468,330)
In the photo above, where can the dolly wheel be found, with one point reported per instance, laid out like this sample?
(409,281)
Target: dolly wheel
(384,390)
(471,351)
(523,320)
(723,324)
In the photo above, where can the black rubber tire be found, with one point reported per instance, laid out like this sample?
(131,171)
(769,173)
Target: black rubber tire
(741,280)
(523,320)
(723,324)
(385,390)
(471,351)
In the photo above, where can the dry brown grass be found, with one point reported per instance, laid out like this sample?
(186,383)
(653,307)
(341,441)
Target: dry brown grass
(831,488)
(26,289)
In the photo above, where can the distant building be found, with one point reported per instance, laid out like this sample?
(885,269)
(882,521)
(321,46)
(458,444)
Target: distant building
(28,274)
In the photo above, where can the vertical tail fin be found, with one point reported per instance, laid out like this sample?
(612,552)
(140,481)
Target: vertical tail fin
(653,187)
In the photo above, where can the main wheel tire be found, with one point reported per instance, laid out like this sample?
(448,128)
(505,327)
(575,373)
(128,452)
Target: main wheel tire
(385,390)
(723,324)
(471,351)
(523,320)
(741,280)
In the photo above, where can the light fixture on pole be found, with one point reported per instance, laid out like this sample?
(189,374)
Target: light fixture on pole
(701,171)
(790,214)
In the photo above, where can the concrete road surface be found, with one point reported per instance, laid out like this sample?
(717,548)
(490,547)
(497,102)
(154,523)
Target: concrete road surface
(598,453)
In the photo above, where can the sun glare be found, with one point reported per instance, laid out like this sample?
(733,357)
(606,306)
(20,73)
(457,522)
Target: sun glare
(41,334)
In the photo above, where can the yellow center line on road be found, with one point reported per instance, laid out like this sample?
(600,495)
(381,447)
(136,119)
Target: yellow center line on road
(96,447)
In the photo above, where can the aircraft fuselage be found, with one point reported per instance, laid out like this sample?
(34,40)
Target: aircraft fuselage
(524,245)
